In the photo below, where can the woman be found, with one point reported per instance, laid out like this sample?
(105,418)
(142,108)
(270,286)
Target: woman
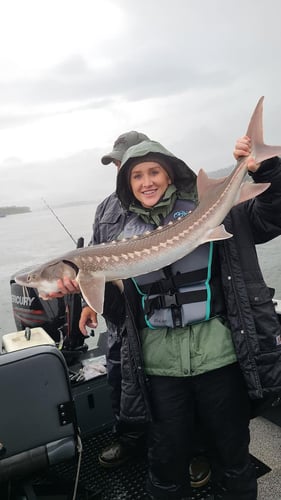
(200,334)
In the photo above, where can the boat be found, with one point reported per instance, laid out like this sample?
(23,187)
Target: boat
(67,467)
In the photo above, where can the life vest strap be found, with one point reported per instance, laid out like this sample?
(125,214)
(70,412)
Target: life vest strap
(173,300)
(172,283)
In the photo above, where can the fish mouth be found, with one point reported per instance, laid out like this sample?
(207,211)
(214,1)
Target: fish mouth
(22,279)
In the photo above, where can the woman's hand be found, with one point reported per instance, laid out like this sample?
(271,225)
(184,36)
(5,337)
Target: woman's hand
(243,147)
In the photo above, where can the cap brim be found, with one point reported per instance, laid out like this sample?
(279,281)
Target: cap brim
(110,157)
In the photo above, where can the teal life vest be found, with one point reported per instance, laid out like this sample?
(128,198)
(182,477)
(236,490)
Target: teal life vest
(182,293)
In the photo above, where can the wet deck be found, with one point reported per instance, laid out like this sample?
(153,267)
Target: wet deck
(128,482)
(266,446)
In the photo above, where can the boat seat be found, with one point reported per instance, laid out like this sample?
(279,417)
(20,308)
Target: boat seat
(37,420)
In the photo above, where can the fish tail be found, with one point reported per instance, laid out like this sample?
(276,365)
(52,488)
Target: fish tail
(260,150)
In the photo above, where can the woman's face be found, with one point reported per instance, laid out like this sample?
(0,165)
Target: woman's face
(149,181)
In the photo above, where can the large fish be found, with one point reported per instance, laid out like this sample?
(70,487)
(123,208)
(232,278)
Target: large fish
(93,266)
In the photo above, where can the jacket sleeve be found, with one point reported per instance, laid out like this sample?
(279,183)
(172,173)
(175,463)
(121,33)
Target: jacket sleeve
(264,211)
(109,220)
(114,305)
(95,239)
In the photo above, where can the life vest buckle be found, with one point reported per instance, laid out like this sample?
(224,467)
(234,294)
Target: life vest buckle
(160,302)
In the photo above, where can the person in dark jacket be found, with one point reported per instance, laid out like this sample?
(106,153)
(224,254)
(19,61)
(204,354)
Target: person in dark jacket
(109,222)
(201,334)
(110,218)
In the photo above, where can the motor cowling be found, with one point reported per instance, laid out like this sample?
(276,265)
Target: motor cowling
(59,317)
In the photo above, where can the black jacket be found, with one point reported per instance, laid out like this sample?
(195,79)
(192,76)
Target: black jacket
(109,221)
(250,310)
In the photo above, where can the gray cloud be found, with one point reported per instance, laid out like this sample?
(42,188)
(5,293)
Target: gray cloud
(74,178)
(12,119)
(198,66)
(74,81)
(164,50)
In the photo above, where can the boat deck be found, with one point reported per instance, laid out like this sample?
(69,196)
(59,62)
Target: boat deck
(266,446)
(128,481)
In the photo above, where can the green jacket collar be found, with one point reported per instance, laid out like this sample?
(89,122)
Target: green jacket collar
(156,214)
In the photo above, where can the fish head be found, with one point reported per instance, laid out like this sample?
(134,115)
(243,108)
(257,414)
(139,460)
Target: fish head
(45,277)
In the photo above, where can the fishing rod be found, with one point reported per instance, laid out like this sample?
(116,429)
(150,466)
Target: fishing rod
(72,302)
(80,242)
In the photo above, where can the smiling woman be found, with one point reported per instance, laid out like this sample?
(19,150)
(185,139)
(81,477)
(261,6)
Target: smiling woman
(149,181)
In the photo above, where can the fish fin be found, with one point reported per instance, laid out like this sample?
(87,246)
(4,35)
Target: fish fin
(119,284)
(205,183)
(260,150)
(92,288)
(218,233)
(250,190)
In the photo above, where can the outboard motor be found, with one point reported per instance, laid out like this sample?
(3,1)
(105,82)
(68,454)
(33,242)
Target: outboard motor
(29,310)
(59,317)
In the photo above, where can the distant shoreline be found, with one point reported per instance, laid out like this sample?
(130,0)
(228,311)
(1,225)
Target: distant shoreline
(13,210)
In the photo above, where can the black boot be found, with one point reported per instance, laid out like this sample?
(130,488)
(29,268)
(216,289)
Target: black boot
(199,472)
(115,455)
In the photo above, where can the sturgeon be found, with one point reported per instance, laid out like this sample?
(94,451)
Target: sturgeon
(93,266)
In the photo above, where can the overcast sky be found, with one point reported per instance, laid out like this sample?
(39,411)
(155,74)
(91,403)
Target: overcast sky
(77,73)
